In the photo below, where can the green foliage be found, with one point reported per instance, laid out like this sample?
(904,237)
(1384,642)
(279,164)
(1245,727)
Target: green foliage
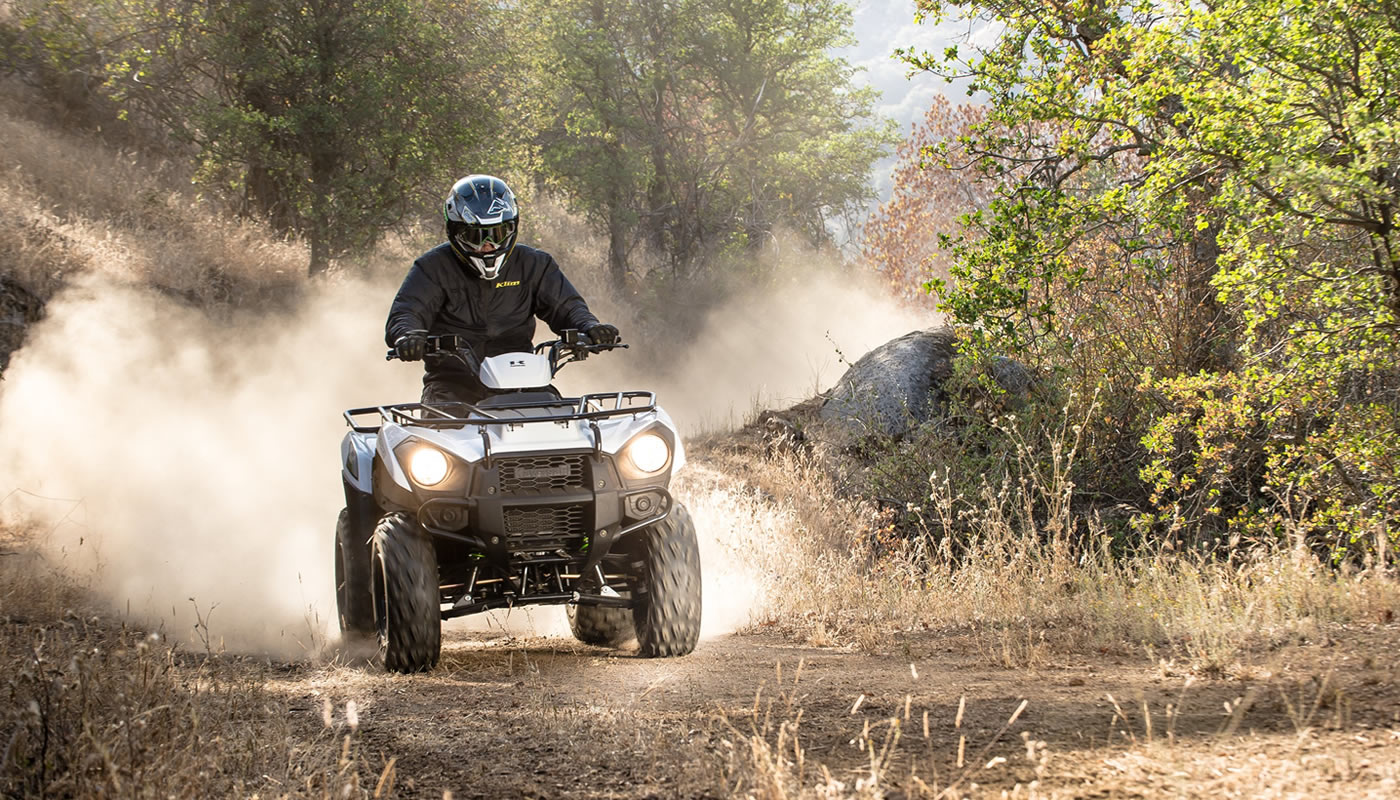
(1295,111)
(1063,144)
(57,46)
(682,129)
(1206,192)
(323,116)
(330,119)
(697,129)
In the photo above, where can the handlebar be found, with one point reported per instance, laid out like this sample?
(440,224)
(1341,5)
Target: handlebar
(574,345)
(438,345)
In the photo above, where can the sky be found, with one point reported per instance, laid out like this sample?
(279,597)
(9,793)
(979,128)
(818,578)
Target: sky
(881,27)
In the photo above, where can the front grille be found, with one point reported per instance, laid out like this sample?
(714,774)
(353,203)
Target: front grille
(546,527)
(531,474)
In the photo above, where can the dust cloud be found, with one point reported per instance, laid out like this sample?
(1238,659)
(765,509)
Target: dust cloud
(203,457)
(191,466)
(756,350)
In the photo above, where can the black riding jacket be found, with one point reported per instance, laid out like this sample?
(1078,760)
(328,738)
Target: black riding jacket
(442,295)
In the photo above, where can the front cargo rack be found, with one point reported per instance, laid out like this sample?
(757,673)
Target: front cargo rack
(597,405)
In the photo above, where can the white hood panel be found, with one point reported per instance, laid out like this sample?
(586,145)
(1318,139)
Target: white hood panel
(516,371)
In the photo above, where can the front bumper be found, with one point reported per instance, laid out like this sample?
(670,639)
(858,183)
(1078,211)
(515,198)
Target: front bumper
(571,504)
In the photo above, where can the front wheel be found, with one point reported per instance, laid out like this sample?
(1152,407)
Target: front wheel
(407,614)
(353,601)
(666,607)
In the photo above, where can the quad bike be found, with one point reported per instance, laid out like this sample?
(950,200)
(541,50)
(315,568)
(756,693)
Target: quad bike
(524,498)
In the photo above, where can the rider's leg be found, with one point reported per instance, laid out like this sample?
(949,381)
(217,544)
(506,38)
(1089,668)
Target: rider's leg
(439,392)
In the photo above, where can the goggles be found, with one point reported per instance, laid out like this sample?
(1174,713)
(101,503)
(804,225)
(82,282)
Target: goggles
(474,237)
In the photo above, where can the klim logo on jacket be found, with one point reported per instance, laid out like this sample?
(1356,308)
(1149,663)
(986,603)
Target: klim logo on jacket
(502,284)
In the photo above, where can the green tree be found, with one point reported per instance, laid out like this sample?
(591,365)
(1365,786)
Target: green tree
(1237,161)
(1068,129)
(59,48)
(322,116)
(1291,107)
(700,128)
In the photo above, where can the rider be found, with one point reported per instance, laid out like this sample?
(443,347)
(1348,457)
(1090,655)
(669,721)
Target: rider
(485,288)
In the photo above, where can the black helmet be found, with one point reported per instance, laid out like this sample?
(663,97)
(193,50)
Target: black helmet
(482,221)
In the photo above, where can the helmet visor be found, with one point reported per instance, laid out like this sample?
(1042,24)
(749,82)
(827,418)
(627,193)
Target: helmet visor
(475,237)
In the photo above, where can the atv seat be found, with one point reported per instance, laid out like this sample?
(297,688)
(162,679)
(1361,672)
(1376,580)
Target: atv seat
(527,404)
(508,399)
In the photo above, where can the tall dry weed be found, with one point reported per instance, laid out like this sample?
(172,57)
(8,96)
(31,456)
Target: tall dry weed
(1031,574)
(95,708)
(70,204)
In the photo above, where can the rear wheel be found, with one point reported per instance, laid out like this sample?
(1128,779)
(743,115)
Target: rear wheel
(601,625)
(666,606)
(404,573)
(352,581)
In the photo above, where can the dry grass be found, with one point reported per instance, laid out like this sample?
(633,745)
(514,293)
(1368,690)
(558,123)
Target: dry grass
(94,707)
(1029,583)
(97,709)
(1029,588)
(919,753)
(767,759)
(71,205)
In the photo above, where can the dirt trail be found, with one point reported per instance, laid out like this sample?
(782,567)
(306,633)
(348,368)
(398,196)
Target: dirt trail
(546,717)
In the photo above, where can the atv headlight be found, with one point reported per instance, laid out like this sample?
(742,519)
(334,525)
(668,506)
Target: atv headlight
(648,454)
(427,466)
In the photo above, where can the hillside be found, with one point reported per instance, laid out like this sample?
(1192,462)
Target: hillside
(170,427)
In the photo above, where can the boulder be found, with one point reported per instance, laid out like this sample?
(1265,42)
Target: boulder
(894,387)
(1014,378)
(19,308)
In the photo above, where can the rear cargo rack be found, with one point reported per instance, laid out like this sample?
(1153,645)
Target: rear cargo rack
(598,405)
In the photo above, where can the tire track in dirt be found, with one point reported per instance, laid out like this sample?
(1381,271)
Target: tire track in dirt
(508,716)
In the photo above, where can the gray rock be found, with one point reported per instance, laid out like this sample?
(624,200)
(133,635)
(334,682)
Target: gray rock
(891,389)
(19,308)
(1014,378)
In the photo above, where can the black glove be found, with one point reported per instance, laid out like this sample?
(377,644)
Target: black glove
(411,346)
(603,333)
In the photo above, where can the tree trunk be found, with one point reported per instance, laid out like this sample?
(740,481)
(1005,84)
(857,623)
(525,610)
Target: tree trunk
(320,253)
(617,253)
(320,226)
(1209,345)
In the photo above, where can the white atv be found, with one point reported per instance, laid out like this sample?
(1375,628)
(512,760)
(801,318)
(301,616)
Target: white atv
(524,498)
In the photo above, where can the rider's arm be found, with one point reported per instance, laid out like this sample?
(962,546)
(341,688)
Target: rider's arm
(558,303)
(415,306)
